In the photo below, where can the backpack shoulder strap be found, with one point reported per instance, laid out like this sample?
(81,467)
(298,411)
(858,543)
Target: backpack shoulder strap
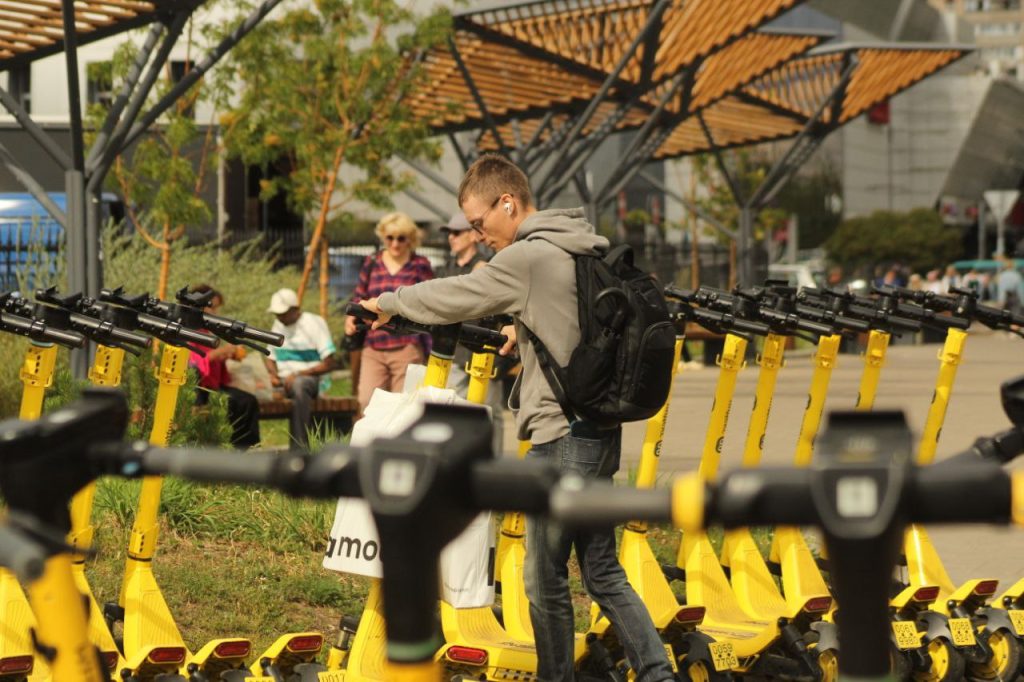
(619,252)
(551,372)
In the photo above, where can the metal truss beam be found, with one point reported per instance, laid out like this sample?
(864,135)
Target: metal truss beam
(477,97)
(653,21)
(41,137)
(32,186)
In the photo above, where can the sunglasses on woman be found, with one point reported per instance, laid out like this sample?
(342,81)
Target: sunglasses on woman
(400,238)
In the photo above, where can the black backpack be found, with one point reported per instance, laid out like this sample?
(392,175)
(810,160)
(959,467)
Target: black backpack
(621,370)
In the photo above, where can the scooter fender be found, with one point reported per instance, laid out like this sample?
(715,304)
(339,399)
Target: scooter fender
(828,636)
(996,619)
(696,647)
(936,626)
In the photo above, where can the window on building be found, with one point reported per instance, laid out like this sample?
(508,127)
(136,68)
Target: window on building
(99,83)
(19,85)
(178,70)
(1006,28)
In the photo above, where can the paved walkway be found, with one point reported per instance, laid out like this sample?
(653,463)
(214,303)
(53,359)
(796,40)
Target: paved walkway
(906,384)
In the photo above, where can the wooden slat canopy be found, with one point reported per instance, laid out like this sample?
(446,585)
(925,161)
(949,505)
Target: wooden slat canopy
(33,29)
(522,86)
(779,104)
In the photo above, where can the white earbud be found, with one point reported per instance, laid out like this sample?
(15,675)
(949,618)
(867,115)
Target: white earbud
(508,208)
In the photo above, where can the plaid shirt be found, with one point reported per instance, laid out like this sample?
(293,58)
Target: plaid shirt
(374,280)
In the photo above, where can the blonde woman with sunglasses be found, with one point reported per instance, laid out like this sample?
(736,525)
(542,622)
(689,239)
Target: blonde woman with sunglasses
(386,356)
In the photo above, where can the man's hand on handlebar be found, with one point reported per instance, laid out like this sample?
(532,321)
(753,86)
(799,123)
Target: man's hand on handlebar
(382,317)
(510,332)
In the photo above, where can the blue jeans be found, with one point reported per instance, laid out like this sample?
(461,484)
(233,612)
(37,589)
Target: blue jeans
(547,573)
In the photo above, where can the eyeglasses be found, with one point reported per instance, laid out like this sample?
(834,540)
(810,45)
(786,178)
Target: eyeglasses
(400,238)
(478,224)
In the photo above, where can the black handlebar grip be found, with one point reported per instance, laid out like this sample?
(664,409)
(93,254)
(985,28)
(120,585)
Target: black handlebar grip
(130,338)
(749,497)
(22,555)
(482,336)
(263,336)
(214,466)
(815,327)
(359,312)
(241,330)
(508,484)
(852,324)
(39,331)
(160,327)
(576,502)
(936,494)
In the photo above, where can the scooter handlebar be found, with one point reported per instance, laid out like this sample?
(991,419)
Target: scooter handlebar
(105,332)
(38,331)
(236,330)
(174,333)
(20,553)
(474,337)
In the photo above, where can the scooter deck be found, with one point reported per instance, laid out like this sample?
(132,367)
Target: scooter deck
(753,584)
(16,625)
(801,577)
(99,634)
(147,619)
(643,570)
(724,619)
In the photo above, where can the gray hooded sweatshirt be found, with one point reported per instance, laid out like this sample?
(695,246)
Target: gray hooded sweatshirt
(533,279)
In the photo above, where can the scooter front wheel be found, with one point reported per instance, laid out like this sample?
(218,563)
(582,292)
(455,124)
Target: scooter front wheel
(1005,661)
(947,664)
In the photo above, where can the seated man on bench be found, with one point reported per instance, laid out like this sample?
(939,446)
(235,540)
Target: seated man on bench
(298,365)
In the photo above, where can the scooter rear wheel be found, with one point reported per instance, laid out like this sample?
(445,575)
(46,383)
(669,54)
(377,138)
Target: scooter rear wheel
(828,661)
(947,664)
(1005,662)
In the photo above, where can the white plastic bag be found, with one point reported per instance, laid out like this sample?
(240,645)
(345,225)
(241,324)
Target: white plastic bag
(354,545)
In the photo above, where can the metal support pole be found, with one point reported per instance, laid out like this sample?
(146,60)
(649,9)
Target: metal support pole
(74,188)
(92,207)
(32,185)
(200,69)
(37,133)
(981,230)
(74,90)
(745,266)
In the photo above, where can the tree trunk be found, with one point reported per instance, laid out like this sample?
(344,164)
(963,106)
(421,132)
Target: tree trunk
(732,264)
(325,276)
(321,222)
(165,265)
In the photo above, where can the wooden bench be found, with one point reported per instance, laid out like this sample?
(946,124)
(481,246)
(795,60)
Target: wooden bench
(339,411)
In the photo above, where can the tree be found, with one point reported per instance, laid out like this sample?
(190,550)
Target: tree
(916,238)
(326,85)
(813,198)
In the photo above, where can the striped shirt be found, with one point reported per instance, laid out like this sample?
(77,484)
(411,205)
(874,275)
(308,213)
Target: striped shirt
(306,344)
(374,280)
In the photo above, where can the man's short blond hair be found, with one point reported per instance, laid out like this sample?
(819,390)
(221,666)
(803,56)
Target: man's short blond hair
(398,223)
(492,175)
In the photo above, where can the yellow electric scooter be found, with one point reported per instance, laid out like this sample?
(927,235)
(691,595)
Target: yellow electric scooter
(771,647)
(18,656)
(997,653)
(150,637)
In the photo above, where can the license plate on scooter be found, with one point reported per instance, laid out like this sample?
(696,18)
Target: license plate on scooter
(723,656)
(906,634)
(962,631)
(331,676)
(1017,618)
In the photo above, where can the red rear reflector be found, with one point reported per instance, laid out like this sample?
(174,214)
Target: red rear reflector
(109,659)
(986,587)
(818,604)
(305,643)
(235,648)
(466,654)
(690,614)
(15,664)
(167,654)
(926,594)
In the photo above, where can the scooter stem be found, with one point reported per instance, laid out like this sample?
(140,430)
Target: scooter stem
(36,375)
(949,362)
(770,361)
(874,360)
(731,362)
(824,361)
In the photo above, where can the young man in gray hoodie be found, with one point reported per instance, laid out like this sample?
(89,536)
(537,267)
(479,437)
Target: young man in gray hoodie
(533,278)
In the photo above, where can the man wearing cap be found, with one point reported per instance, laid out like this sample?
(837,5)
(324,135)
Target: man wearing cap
(299,363)
(464,243)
